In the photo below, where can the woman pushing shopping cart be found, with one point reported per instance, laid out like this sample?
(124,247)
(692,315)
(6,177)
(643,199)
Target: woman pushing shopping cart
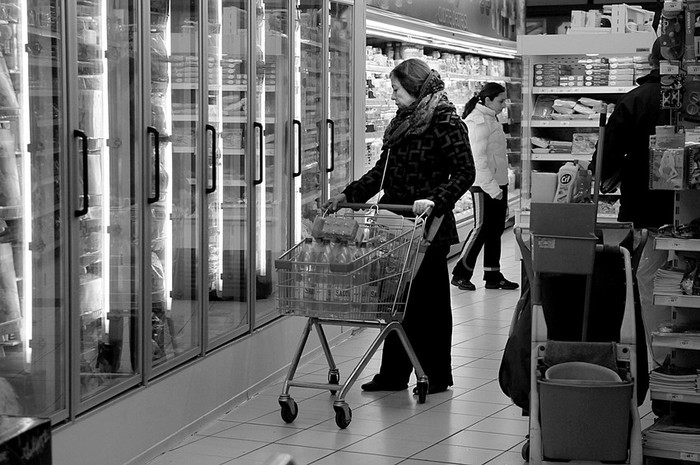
(425,163)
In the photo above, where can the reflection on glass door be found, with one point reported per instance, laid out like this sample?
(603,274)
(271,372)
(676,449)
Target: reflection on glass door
(272,117)
(341,68)
(308,118)
(107,217)
(174,253)
(32,245)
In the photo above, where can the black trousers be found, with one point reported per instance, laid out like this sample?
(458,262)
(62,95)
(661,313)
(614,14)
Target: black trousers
(489,222)
(428,325)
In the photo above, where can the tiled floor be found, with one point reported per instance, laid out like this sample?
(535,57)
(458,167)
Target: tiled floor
(472,423)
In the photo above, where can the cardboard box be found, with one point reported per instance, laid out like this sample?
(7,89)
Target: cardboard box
(25,440)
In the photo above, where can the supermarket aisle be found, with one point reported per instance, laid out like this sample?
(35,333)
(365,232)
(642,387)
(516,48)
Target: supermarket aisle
(472,423)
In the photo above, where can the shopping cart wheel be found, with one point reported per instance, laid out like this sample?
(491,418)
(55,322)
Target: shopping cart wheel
(526,451)
(333,378)
(289,409)
(343,414)
(422,391)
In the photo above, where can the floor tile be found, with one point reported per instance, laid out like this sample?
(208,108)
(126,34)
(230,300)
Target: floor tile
(482,440)
(450,453)
(352,458)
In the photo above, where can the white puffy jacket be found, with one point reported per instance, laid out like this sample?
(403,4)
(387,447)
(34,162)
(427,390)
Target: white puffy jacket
(488,143)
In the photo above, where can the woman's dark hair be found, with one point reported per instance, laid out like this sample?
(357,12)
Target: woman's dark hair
(411,74)
(655,54)
(490,90)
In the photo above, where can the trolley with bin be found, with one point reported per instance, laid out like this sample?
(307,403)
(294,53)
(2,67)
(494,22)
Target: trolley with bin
(369,287)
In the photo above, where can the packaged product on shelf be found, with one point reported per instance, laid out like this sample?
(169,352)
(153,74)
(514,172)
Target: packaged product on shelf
(8,97)
(9,176)
(693,160)
(584,143)
(667,168)
(9,295)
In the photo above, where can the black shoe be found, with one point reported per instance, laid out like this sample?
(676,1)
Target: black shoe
(503,283)
(433,388)
(374,386)
(463,283)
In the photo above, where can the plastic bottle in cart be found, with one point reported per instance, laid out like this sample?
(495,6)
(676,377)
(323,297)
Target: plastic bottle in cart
(306,284)
(339,283)
(359,277)
(321,257)
(565,182)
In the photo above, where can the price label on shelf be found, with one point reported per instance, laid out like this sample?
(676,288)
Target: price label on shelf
(689,456)
(676,397)
(684,342)
(693,69)
(667,68)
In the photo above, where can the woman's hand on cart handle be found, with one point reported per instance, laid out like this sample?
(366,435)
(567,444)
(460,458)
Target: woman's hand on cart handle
(422,206)
(332,203)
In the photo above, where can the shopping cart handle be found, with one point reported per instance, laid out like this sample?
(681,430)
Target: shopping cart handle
(384,206)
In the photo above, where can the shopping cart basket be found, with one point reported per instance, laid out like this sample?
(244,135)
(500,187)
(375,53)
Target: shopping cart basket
(371,290)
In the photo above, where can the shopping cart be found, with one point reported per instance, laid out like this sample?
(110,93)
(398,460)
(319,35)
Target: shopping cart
(371,290)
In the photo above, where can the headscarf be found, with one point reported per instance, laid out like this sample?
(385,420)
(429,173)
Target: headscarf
(416,118)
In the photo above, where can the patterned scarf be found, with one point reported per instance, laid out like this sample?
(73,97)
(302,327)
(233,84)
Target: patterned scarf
(416,118)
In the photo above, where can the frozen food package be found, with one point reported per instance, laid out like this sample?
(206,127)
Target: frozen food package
(95,172)
(9,176)
(8,97)
(9,296)
(90,108)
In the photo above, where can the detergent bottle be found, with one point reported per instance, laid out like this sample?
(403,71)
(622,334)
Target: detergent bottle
(565,182)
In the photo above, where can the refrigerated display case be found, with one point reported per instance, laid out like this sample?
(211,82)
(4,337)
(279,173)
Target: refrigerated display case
(465,62)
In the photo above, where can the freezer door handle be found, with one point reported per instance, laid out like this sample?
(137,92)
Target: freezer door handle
(331,126)
(297,123)
(212,189)
(156,153)
(81,134)
(261,161)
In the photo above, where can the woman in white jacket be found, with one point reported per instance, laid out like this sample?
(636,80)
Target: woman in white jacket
(489,191)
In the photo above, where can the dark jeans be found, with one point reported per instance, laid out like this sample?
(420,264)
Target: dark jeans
(489,222)
(428,325)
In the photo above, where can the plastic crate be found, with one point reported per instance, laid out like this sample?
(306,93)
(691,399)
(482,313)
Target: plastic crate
(563,254)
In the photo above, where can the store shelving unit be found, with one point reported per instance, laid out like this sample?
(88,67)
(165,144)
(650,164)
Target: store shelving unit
(568,49)
(683,347)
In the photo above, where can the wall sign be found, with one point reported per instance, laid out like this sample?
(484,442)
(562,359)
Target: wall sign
(490,18)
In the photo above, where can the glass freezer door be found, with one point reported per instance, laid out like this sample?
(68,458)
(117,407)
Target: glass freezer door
(272,150)
(176,181)
(107,223)
(229,102)
(341,68)
(308,112)
(33,252)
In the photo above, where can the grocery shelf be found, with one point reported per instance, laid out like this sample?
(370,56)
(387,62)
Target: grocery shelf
(672,454)
(559,157)
(674,396)
(569,123)
(688,341)
(674,243)
(677,300)
(581,90)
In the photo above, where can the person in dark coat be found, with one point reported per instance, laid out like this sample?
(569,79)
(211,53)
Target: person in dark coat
(426,162)
(625,164)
